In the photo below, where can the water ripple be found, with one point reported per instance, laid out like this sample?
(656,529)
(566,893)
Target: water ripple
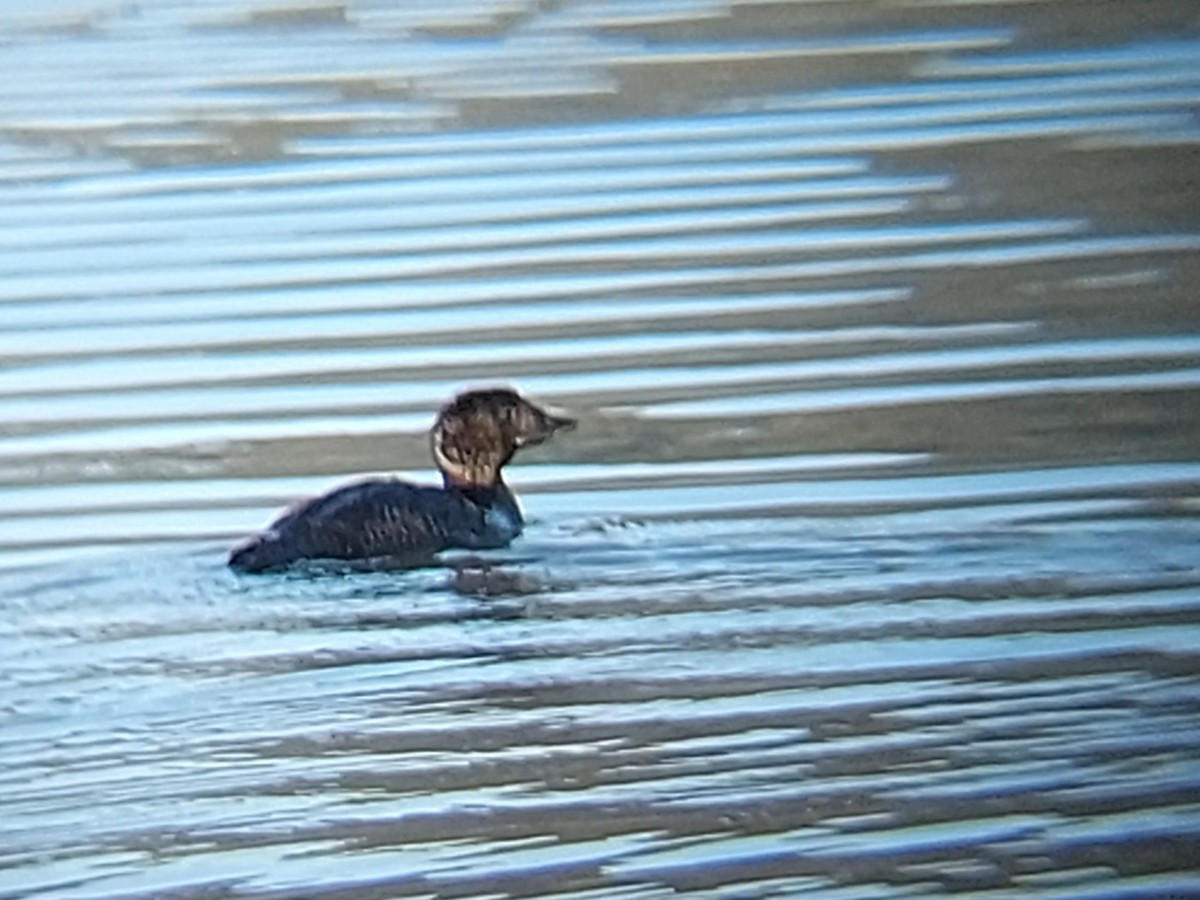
(870,571)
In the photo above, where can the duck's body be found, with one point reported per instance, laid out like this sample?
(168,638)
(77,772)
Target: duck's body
(474,436)
(384,518)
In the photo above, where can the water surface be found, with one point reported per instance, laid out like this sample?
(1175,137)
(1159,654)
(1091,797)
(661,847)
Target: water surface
(871,571)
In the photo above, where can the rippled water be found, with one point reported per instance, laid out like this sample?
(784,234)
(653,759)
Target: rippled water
(872,570)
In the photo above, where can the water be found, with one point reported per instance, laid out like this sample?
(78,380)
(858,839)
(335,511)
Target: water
(871,570)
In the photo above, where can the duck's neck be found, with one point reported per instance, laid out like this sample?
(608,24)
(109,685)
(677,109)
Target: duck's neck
(452,483)
(496,500)
(492,492)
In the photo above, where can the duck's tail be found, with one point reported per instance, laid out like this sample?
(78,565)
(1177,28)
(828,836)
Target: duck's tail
(260,553)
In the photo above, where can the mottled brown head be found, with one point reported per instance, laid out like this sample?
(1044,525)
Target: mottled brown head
(477,432)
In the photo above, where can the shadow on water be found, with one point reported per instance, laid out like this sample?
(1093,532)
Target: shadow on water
(871,570)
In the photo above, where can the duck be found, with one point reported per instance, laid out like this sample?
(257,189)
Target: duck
(370,520)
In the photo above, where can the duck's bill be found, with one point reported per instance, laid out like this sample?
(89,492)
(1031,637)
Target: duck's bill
(548,425)
(560,423)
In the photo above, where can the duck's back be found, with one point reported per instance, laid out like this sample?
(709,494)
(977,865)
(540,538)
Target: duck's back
(383,518)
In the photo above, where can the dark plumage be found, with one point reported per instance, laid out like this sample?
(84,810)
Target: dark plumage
(474,436)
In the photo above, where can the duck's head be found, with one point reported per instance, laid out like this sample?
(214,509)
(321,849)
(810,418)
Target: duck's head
(477,432)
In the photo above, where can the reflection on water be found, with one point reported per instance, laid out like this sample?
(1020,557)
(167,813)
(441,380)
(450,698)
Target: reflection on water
(871,570)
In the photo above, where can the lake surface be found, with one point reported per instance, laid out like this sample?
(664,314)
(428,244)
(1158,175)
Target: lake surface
(873,569)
